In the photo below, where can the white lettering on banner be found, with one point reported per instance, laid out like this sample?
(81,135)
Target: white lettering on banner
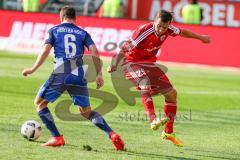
(21,30)
(206,13)
(39,31)
(29,36)
(29,30)
(218,14)
(230,17)
(109,35)
(96,34)
(177,10)
(102,36)
(155,8)
(49,26)
(124,34)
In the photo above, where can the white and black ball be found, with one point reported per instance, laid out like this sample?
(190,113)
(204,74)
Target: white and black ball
(31,130)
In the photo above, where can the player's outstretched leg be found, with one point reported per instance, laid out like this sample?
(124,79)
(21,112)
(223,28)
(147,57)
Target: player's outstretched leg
(170,109)
(147,102)
(47,119)
(99,121)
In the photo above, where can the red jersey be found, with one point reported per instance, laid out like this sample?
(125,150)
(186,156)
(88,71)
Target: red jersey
(145,43)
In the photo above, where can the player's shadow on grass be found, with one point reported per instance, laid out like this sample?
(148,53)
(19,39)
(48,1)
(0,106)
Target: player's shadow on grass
(213,152)
(218,157)
(66,145)
(40,142)
(128,152)
(151,155)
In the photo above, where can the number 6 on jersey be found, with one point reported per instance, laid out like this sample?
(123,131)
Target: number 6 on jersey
(69,45)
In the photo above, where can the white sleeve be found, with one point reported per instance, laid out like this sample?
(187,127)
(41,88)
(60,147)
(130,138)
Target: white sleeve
(175,30)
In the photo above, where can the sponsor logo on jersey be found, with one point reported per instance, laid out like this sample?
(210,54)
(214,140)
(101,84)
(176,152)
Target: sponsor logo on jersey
(163,37)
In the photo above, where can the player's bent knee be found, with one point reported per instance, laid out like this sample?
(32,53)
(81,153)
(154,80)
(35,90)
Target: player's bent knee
(171,96)
(174,93)
(40,103)
(36,102)
(85,111)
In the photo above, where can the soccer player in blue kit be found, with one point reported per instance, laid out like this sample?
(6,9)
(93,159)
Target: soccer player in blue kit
(68,41)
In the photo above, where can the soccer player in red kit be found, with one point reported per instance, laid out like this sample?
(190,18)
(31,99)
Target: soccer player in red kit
(139,54)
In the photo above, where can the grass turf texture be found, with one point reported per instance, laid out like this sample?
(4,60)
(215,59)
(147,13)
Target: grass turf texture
(208,119)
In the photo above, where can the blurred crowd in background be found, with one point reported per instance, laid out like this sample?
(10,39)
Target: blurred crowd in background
(107,8)
(191,13)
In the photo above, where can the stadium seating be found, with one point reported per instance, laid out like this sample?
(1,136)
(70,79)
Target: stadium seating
(83,7)
(12,4)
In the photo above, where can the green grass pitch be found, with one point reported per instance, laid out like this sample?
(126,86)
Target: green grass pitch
(208,120)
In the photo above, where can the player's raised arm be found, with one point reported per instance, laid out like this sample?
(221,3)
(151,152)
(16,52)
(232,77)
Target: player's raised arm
(40,60)
(98,66)
(190,34)
(115,61)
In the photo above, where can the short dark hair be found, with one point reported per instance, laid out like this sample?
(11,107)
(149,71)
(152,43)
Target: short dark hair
(194,2)
(165,16)
(68,12)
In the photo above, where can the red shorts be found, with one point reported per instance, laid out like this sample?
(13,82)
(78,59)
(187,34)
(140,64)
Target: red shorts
(147,77)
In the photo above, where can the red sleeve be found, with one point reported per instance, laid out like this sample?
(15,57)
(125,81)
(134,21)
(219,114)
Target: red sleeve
(137,32)
(174,31)
(137,36)
(141,33)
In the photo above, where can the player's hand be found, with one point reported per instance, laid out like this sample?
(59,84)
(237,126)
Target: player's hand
(127,46)
(27,71)
(111,68)
(205,39)
(99,81)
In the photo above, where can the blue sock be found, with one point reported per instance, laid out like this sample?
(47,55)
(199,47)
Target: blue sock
(47,119)
(98,121)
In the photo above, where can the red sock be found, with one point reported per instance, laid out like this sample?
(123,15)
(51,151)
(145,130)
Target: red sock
(147,102)
(170,110)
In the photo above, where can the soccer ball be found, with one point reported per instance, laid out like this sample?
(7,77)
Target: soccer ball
(31,130)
